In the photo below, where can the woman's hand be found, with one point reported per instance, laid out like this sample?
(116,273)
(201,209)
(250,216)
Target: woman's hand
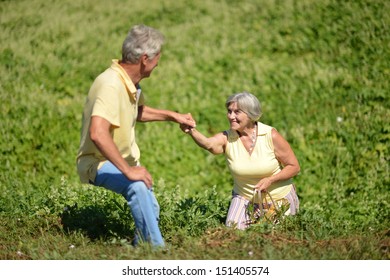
(186,128)
(263,184)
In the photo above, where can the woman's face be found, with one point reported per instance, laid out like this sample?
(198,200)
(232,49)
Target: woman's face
(238,119)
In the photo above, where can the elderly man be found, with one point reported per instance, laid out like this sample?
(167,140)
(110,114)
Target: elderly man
(108,155)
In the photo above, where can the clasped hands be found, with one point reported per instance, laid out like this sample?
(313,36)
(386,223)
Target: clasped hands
(187,123)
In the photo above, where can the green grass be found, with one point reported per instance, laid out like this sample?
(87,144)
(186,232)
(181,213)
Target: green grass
(320,68)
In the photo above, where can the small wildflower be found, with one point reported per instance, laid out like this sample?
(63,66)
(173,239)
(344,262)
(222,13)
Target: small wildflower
(19,253)
(339,119)
(250,253)
(72,246)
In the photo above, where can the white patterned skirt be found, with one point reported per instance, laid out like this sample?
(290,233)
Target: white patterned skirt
(242,212)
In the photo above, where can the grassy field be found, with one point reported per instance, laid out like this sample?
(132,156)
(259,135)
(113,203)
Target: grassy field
(320,68)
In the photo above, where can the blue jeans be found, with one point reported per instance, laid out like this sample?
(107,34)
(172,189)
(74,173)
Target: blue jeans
(141,200)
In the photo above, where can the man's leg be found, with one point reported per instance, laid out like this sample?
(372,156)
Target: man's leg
(141,200)
(143,205)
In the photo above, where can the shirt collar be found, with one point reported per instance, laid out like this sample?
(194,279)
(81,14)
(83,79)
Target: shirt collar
(131,88)
(261,129)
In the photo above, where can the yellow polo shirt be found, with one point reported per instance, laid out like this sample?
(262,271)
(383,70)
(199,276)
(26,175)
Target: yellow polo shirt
(114,97)
(247,170)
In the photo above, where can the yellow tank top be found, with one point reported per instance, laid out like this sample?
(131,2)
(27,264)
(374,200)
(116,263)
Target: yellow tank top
(247,170)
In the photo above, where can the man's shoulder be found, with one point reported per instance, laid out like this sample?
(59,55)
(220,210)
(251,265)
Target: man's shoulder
(105,80)
(108,76)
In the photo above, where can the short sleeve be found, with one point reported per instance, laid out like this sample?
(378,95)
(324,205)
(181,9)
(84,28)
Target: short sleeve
(107,105)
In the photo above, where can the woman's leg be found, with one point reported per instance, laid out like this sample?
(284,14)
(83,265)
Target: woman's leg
(293,200)
(237,215)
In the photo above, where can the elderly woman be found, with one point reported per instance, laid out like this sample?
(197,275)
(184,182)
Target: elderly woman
(261,161)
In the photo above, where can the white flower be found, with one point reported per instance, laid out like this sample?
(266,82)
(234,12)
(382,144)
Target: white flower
(339,119)
(72,246)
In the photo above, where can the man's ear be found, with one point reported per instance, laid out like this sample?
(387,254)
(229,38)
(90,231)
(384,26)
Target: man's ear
(144,58)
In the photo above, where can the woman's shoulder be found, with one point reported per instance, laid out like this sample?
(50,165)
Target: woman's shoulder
(263,128)
(231,134)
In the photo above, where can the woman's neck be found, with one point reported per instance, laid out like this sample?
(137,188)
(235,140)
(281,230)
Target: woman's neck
(248,131)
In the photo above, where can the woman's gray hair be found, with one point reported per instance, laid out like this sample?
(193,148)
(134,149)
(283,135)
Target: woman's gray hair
(248,103)
(140,40)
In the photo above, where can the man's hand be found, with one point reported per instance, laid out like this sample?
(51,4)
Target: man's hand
(185,120)
(139,173)
(101,137)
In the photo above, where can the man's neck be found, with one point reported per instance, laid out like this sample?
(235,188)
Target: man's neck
(133,71)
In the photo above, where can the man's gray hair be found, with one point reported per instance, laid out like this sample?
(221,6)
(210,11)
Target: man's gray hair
(140,40)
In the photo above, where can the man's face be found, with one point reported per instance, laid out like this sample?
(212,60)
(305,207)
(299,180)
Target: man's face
(150,64)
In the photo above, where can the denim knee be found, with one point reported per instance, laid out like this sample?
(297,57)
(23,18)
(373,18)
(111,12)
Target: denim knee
(138,188)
